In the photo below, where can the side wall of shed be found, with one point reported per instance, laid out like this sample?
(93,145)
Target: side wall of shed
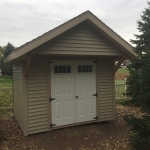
(105,89)
(37,96)
(18,93)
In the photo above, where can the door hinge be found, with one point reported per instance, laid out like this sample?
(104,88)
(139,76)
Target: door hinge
(49,61)
(51,99)
(95,118)
(51,125)
(95,61)
(95,94)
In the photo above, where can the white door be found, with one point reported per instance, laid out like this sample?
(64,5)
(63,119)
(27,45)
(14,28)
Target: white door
(85,90)
(73,85)
(62,93)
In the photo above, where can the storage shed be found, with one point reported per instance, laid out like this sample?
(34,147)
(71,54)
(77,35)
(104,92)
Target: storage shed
(66,76)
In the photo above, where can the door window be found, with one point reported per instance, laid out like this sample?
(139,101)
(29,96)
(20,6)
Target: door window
(62,69)
(84,68)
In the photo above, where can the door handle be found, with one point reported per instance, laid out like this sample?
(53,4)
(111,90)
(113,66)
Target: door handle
(77,97)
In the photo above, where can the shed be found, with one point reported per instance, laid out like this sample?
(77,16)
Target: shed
(66,76)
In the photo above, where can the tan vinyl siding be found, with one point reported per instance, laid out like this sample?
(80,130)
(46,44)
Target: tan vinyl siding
(81,39)
(37,112)
(18,93)
(105,89)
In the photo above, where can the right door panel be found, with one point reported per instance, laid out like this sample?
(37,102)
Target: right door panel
(85,88)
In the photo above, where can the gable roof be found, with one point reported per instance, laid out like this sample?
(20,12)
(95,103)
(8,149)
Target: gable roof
(87,17)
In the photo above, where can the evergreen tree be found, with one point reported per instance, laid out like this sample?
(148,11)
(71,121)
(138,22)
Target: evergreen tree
(139,85)
(8,49)
(7,68)
(1,51)
(1,56)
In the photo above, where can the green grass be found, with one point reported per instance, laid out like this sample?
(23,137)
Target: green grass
(5,81)
(122,70)
(5,94)
(6,98)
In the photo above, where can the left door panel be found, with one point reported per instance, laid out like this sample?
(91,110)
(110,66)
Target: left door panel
(62,91)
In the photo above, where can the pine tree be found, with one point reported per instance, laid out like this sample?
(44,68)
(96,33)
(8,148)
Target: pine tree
(1,56)
(8,49)
(7,68)
(138,84)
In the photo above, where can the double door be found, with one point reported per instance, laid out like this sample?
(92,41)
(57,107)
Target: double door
(73,89)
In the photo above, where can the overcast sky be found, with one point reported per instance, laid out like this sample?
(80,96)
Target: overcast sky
(23,20)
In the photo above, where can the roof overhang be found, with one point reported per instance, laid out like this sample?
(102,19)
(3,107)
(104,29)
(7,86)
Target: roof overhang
(87,17)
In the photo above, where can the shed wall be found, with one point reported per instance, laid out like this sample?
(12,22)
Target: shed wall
(37,106)
(79,40)
(105,89)
(38,93)
(18,93)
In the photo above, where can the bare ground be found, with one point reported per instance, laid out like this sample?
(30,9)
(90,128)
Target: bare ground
(98,136)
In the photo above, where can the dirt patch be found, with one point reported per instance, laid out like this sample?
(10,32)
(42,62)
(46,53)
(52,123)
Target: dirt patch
(97,136)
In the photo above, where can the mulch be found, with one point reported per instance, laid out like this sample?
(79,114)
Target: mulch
(97,136)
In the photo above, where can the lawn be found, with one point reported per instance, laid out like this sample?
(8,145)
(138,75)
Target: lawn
(5,93)
(123,70)
(5,81)
(6,98)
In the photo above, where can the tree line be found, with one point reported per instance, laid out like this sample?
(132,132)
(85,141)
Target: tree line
(6,69)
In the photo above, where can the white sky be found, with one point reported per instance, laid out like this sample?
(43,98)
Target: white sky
(23,20)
